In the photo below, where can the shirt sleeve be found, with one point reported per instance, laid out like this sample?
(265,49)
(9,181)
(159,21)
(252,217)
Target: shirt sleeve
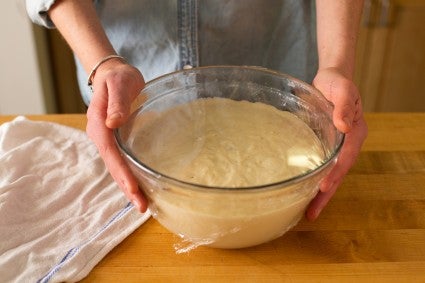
(37,11)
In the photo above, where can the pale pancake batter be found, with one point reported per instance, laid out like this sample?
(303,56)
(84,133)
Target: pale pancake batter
(227,143)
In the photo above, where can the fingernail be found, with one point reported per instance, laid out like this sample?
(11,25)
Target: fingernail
(326,187)
(347,121)
(317,212)
(114,116)
(137,204)
(313,215)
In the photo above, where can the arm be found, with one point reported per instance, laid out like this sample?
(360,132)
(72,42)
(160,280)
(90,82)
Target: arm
(115,85)
(78,23)
(337,29)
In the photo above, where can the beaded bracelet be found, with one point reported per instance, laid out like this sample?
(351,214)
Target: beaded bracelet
(93,71)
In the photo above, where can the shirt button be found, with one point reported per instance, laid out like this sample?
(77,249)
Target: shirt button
(187,67)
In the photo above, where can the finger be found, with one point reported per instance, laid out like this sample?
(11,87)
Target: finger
(346,159)
(103,138)
(319,202)
(116,165)
(348,155)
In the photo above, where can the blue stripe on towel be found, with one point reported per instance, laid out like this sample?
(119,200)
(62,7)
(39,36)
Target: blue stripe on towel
(74,251)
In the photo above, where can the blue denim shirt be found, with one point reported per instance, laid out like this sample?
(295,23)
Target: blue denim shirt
(161,36)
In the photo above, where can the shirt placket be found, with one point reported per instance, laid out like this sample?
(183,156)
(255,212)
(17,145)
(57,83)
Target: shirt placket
(187,15)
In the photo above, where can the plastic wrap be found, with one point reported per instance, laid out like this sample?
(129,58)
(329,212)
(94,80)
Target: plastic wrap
(227,219)
(225,213)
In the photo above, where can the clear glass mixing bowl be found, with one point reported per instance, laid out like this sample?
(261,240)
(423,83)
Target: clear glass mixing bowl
(227,217)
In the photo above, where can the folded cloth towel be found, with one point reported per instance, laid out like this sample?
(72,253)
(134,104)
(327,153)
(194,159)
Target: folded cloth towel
(60,211)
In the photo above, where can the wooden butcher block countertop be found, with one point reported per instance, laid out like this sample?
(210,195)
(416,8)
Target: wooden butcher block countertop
(373,230)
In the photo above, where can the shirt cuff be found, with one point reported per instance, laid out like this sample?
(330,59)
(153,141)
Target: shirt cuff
(37,11)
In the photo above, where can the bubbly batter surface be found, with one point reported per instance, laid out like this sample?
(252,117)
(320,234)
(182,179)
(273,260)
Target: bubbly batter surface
(227,143)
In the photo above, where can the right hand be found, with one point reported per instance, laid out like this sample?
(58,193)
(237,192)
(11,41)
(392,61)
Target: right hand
(115,86)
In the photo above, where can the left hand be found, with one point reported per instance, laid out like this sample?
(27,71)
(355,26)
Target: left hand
(348,118)
(115,86)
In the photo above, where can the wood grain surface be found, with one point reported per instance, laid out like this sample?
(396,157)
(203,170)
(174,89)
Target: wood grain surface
(373,230)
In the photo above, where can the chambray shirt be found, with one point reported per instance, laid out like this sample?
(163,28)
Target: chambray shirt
(161,36)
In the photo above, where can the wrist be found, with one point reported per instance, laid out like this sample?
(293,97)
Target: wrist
(102,62)
(345,69)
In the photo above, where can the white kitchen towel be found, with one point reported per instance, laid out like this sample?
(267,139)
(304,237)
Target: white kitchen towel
(60,211)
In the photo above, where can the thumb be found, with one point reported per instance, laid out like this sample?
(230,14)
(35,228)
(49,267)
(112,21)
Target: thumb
(345,98)
(118,110)
(343,115)
(120,98)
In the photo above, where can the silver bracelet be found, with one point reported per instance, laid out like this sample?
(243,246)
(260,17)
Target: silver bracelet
(93,71)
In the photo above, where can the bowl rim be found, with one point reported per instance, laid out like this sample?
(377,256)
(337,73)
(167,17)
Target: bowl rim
(197,187)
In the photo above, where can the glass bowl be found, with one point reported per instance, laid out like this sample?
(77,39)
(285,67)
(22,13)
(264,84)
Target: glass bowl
(219,215)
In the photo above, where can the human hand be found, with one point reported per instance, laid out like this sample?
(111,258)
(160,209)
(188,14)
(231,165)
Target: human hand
(115,85)
(348,118)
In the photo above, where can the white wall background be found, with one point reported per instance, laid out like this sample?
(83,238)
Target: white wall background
(21,90)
